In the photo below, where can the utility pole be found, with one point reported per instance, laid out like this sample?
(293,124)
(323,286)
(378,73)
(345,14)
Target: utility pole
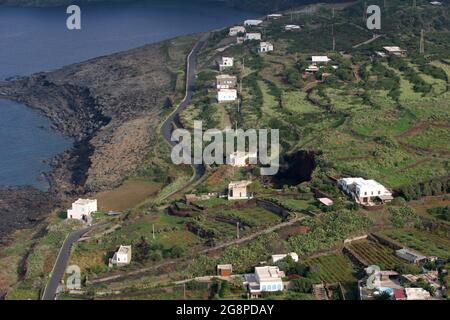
(332,10)
(334,43)
(422,42)
(184,290)
(153,231)
(237,229)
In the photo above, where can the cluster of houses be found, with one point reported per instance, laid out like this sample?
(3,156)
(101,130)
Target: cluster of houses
(226,86)
(82,210)
(393,284)
(392,51)
(264,278)
(242,35)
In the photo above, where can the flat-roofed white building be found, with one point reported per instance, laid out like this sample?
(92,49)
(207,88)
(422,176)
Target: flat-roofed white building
(82,209)
(312,68)
(417,294)
(274,16)
(240,158)
(365,191)
(320,59)
(234,31)
(265,47)
(265,279)
(252,22)
(237,190)
(292,27)
(226,81)
(278,257)
(252,36)
(122,256)
(227,62)
(395,51)
(226,95)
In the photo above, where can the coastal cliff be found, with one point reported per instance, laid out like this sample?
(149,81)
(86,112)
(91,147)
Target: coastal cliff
(111,107)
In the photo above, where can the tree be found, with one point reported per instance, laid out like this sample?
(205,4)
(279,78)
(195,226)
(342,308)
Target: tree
(142,250)
(168,103)
(303,285)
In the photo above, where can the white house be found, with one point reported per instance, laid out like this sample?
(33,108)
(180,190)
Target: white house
(274,16)
(320,59)
(226,95)
(227,62)
(265,279)
(395,51)
(234,31)
(291,27)
(312,68)
(252,22)
(365,191)
(122,256)
(278,257)
(265,47)
(82,209)
(417,294)
(240,159)
(226,81)
(252,36)
(238,190)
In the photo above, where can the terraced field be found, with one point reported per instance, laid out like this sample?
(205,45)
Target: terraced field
(334,268)
(375,253)
(422,241)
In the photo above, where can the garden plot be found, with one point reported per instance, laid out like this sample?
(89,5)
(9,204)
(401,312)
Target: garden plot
(376,254)
(333,268)
(422,241)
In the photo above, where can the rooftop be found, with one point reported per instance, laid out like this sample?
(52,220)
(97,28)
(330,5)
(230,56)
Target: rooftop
(239,184)
(84,201)
(124,249)
(269,273)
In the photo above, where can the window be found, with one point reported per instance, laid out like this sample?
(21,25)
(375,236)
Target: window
(379,192)
(365,193)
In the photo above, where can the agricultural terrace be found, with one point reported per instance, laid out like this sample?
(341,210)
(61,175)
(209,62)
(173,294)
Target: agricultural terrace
(424,242)
(409,98)
(374,253)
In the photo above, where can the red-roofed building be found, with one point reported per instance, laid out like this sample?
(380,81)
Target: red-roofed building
(399,294)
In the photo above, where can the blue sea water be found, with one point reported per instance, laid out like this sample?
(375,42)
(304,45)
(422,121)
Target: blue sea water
(36,39)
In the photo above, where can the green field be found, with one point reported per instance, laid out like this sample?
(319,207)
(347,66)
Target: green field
(376,254)
(424,242)
(333,268)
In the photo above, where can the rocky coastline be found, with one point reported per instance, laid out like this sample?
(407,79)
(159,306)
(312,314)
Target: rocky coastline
(110,106)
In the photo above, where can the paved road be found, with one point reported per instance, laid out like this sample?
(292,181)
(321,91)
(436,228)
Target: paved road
(166,128)
(60,265)
(166,131)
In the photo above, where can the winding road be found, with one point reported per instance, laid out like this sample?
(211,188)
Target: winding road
(168,125)
(61,263)
(166,130)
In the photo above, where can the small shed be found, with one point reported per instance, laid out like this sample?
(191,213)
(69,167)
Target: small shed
(224,270)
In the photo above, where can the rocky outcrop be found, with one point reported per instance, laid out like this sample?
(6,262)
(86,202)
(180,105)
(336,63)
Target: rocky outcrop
(22,207)
(110,106)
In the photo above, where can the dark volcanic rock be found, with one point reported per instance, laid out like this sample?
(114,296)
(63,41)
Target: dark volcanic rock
(110,105)
(23,207)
